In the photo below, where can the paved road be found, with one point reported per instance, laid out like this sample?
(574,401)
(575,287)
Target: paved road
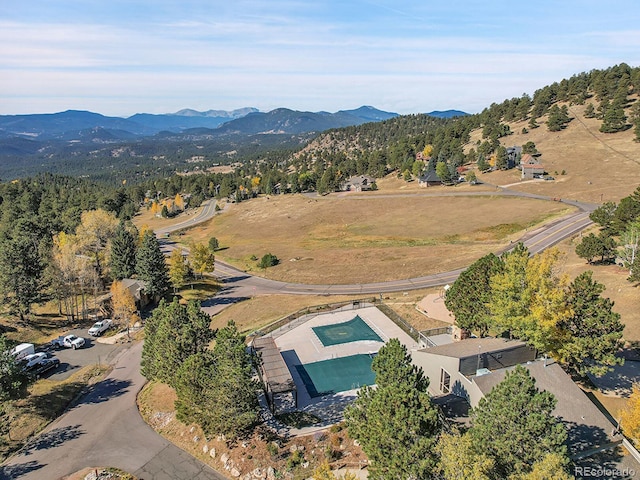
(207,212)
(239,285)
(105,429)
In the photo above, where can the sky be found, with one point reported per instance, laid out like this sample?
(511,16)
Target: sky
(121,57)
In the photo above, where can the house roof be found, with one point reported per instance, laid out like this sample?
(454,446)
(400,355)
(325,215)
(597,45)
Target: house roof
(473,346)
(430,176)
(587,426)
(527,158)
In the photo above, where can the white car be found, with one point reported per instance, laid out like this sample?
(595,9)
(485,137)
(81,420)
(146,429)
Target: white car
(100,327)
(32,360)
(71,341)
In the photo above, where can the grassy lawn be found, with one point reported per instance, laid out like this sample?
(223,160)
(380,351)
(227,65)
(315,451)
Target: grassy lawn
(200,289)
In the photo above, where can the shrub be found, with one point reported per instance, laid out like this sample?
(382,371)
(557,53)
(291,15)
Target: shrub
(268,260)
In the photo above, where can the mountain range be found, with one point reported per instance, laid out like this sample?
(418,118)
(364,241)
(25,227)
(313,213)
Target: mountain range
(84,126)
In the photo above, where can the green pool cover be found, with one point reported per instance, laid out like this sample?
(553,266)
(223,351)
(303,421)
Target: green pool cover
(337,374)
(351,331)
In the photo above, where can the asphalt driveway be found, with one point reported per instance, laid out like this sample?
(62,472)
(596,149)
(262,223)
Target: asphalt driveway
(94,352)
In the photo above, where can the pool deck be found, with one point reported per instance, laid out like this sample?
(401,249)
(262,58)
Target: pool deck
(300,345)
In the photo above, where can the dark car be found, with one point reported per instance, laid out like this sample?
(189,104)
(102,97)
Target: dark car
(44,366)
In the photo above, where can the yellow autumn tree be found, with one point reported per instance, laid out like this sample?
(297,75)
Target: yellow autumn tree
(155,208)
(96,228)
(551,467)
(255,183)
(71,275)
(428,150)
(178,201)
(123,304)
(630,416)
(459,460)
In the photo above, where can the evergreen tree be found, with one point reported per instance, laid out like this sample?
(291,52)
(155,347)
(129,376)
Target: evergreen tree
(593,246)
(515,426)
(216,389)
(22,268)
(151,266)
(469,295)
(614,119)
(122,257)
(590,111)
(172,334)
(502,159)
(593,332)
(13,381)
(396,423)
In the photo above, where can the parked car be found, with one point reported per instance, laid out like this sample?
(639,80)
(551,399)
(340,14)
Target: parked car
(32,360)
(45,365)
(100,327)
(70,341)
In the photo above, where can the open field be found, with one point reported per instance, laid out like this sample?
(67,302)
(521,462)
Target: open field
(360,239)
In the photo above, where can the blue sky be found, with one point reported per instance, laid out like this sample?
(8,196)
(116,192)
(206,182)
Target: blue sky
(120,57)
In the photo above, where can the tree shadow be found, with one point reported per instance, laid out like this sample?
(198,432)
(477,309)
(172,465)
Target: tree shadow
(581,438)
(52,439)
(105,390)
(15,471)
(50,405)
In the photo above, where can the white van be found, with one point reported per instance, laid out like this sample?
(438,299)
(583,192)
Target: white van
(22,350)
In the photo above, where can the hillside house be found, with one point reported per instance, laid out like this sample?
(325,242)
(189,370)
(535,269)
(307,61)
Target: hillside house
(469,369)
(514,155)
(358,183)
(531,168)
(429,179)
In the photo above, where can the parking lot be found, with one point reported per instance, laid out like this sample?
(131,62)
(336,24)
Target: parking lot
(94,352)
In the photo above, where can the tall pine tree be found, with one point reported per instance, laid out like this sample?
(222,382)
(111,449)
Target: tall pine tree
(396,423)
(122,258)
(593,332)
(151,266)
(216,389)
(514,425)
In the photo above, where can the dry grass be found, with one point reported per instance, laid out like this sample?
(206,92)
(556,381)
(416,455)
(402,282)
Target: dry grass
(599,167)
(359,239)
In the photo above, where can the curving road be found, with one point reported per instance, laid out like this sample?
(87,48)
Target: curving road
(241,284)
(104,428)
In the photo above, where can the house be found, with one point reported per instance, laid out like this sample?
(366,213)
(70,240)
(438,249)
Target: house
(429,179)
(531,167)
(469,369)
(358,183)
(514,155)
(136,288)
(451,366)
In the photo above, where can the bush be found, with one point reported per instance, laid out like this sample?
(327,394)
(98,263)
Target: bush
(268,260)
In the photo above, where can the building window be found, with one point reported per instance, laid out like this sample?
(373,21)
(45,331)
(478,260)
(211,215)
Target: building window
(445,381)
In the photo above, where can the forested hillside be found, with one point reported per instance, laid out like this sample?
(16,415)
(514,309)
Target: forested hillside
(377,149)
